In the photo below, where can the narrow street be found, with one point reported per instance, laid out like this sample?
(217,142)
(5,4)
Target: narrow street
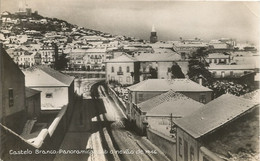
(98,125)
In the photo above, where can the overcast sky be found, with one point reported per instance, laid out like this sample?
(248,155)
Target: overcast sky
(172,19)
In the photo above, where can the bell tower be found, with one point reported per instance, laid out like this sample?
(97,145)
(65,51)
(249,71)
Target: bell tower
(153,37)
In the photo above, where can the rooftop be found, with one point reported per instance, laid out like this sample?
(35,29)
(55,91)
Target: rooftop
(218,55)
(46,76)
(158,57)
(122,58)
(96,50)
(214,115)
(178,85)
(170,102)
(231,67)
(254,95)
(30,92)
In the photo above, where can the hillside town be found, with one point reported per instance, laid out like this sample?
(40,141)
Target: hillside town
(66,87)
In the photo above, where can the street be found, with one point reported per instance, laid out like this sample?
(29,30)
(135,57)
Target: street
(98,125)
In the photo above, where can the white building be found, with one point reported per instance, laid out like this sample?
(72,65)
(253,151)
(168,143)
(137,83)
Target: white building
(47,52)
(120,69)
(94,59)
(218,58)
(26,60)
(57,89)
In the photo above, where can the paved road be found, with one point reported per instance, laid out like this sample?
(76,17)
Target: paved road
(98,125)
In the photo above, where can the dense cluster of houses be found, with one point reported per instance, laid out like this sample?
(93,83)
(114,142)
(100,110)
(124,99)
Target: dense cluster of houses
(202,128)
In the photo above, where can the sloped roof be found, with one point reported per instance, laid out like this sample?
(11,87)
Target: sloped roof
(254,95)
(231,67)
(170,102)
(30,92)
(178,85)
(214,114)
(96,50)
(121,59)
(158,57)
(218,55)
(46,76)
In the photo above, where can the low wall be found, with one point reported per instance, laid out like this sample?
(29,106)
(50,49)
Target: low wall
(118,101)
(164,143)
(48,139)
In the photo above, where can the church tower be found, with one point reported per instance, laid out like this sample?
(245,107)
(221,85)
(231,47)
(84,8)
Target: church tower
(153,37)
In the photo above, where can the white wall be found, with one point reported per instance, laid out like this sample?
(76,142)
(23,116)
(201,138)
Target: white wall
(120,78)
(60,97)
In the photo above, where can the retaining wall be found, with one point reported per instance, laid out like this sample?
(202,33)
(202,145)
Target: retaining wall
(164,143)
(48,139)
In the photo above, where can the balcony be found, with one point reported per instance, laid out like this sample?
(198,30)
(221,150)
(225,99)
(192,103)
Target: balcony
(120,73)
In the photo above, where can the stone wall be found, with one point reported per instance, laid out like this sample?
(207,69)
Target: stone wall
(164,143)
(118,101)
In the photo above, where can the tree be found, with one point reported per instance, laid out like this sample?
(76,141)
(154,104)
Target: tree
(153,73)
(61,63)
(198,69)
(220,88)
(176,71)
(200,54)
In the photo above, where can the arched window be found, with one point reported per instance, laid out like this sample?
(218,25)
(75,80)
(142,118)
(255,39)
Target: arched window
(112,69)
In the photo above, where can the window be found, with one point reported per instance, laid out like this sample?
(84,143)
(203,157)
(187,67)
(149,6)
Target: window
(112,69)
(231,73)
(120,69)
(191,153)
(180,145)
(127,69)
(48,95)
(222,74)
(11,97)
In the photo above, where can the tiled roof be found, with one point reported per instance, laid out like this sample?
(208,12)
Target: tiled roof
(170,102)
(177,85)
(214,114)
(158,57)
(96,50)
(218,55)
(254,96)
(30,92)
(122,58)
(46,76)
(231,67)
